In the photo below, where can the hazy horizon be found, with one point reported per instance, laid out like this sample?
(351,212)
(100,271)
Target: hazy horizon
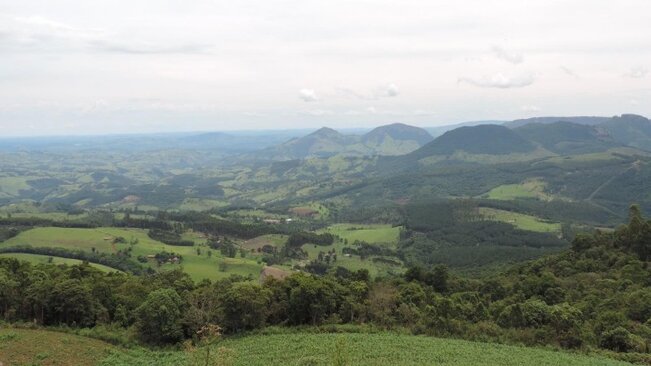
(115,67)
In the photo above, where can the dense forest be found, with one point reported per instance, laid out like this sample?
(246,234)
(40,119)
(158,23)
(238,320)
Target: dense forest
(596,295)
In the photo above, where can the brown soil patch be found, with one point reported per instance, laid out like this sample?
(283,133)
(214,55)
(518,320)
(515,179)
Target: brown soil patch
(41,347)
(273,272)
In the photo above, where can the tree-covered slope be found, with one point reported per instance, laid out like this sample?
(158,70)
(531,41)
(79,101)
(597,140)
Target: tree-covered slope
(395,139)
(566,137)
(629,129)
(486,139)
(582,120)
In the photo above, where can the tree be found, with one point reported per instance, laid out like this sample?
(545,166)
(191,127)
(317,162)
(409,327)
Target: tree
(73,303)
(311,299)
(636,236)
(618,339)
(438,278)
(244,306)
(159,317)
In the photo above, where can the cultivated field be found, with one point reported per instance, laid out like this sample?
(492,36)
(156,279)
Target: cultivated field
(38,347)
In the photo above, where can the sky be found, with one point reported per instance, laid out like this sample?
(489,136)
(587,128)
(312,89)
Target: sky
(112,66)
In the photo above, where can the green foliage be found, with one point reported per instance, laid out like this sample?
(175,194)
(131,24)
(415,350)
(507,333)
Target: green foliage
(159,317)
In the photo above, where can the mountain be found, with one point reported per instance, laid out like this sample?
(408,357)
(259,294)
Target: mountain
(484,139)
(439,130)
(395,139)
(581,120)
(567,138)
(629,129)
(323,142)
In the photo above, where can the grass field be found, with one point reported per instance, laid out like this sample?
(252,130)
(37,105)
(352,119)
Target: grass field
(368,233)
(521,221)
(276,240)
(38,347)
(40,259)
(198,266)
(377,234)
(529,189)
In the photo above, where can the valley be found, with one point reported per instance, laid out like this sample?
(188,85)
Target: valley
(394,228)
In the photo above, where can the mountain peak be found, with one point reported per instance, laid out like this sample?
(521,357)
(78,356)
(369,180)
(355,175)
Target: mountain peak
(398,131)
(325,131)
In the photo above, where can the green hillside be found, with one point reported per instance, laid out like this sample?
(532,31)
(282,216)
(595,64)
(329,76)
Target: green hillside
(485,139)
(566,138)
(629,129)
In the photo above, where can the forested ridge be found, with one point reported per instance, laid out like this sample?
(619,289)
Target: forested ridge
(596,295)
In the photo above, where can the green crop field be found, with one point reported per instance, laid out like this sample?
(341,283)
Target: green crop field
(521,221)
(367,233)
(390,349)
(39,259)
(38,347)
(198,266)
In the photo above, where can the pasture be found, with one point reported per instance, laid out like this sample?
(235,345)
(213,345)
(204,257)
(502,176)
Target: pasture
(43,259)
(521,221)
(533,188)
(369,233)
(199,261)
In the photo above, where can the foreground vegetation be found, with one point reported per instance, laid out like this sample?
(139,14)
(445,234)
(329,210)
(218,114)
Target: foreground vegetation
(597,295)
(17,346)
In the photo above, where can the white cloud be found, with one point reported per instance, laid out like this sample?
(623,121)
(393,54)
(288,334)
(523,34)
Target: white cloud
(371,110)
(42,33)
(637,72)
(569,72)
(308,95)
(213,61)
(391,90)
(386,91)
(530,108)
(40,21)
(508,56)
(500,81)
(319,112)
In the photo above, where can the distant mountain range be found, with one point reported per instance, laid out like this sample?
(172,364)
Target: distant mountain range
(544,135)
(581,120)
(554,135)
(393,139)
(537,139)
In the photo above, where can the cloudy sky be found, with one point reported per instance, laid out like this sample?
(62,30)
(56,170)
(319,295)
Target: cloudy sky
(107,66)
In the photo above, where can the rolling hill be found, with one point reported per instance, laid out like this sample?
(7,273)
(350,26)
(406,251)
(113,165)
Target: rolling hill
(484,139)
(629,129)
(395,139)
